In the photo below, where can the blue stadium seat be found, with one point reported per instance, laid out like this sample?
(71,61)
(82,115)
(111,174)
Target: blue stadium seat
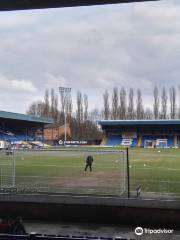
(170,141)
(134,142)
(114,140)
(8,136)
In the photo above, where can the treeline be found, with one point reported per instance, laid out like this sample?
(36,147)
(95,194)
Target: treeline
(82,122)
(122,104)
(117,104)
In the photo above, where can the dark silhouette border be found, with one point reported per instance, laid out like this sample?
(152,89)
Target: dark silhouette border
(9,5)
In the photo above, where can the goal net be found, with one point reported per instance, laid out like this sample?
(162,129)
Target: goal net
(7,173)
(149,143)
(63,171)
(161,143)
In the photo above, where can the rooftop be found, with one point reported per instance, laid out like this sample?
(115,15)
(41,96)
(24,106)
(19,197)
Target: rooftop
(139,122)
(25,117)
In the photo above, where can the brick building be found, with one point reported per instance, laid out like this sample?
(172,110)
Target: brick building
(53,133)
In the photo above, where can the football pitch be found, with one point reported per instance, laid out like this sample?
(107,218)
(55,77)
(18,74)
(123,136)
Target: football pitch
(63,171)
(156,170)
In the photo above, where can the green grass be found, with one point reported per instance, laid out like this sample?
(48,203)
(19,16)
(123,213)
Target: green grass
(157,170)
(161,172)
(62,171)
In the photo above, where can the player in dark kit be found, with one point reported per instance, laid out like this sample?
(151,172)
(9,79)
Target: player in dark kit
(89,161)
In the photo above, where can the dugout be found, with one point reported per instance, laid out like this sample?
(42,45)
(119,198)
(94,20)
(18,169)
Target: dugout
(141,133)
(21,127)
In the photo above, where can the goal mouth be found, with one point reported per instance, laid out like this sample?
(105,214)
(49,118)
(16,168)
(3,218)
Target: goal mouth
(65,171)
(6,169)
(161,143)
(149,144)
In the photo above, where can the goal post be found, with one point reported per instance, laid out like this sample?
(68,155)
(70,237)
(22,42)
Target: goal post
(161,143)
(62,171)
(7,169)
(116,161)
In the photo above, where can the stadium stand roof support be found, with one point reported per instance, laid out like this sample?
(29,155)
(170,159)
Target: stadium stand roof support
(8,5)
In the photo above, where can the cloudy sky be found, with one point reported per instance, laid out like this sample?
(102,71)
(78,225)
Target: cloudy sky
(90,49)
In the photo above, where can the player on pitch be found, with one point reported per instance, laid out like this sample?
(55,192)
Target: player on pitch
(89,161)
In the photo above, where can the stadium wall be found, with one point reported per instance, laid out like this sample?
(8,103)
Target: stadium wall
(91,209)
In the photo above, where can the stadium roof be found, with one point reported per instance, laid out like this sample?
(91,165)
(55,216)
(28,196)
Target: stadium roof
(7,5)
(24,117)
(139,122)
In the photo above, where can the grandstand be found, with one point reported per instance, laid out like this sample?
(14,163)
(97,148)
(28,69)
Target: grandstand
(141,133)
(16,127)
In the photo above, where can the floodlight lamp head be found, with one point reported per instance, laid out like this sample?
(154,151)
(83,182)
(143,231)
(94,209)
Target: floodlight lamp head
(64,89)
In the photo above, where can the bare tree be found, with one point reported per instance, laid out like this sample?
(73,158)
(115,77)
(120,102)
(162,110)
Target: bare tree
(40,108)
(85,107)
(172,103)
(95,115)
(52,108)
(156,103)
(85,127)
(115,103)
(69,107)
(32,109)
(36,109)
(139,109)
(46,109)
(56,112)
(179,102)
(79,114)
(106,111)
(148,114)
(122,107)
(79,107)
(164,99)
(130,111)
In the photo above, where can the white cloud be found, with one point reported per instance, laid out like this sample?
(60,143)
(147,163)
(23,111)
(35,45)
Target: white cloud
(16,85)
(91,49)
(55,82)
(23,85)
